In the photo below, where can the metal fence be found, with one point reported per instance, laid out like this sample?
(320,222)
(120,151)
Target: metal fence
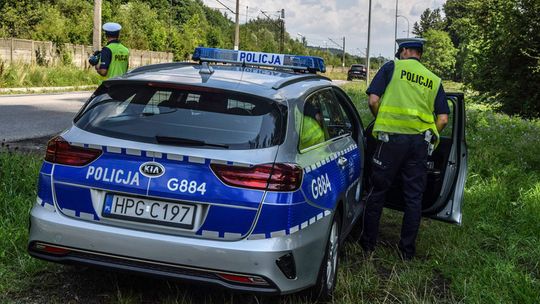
(22,51)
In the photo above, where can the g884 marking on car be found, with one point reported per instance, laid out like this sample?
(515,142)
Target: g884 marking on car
(185,185)
(320,186)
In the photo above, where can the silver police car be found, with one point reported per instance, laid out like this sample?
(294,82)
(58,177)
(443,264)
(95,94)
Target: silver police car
(244,170)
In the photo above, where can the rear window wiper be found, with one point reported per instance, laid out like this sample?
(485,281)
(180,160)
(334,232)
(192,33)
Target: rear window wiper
(186,142)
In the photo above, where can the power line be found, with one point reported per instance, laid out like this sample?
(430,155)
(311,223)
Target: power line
(228,8)
(339,46)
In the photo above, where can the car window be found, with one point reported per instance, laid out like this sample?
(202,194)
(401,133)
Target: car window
(336,121)
(313,130)
(214,118)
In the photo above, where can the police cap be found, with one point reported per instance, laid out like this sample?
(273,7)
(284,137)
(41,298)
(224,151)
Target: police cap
(112,29)
(410,43)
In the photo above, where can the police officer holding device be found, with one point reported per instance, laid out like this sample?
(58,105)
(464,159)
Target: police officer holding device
(113,59)
(410,109)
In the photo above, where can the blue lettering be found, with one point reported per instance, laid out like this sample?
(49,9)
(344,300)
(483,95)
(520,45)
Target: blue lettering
(242,56)
(277,60)
(264,58)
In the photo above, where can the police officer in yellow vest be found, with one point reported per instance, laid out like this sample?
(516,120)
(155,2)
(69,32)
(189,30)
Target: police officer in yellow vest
(114,58)
(312,130)
(410,109)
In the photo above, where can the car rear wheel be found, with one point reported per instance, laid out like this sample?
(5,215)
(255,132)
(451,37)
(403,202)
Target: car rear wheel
(327,279)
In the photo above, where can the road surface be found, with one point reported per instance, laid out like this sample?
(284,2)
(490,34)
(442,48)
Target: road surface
(32,116)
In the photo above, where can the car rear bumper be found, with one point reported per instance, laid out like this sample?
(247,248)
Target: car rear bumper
(360,76)
(200,260)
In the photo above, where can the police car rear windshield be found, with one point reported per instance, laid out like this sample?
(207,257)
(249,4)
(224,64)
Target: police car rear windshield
(184,116)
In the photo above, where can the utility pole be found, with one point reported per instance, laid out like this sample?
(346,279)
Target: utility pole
(96,37)
(368,42)
(280,26)
(343,63)
(282,36)
(237,27)
(395,28)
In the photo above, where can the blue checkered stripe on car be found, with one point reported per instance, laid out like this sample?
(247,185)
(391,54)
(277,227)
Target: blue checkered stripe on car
(84,198)
(44,193)
(300,215)
(310,217)
(159,155)
(330,158)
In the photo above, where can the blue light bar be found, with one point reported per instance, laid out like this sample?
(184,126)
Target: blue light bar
(309,63)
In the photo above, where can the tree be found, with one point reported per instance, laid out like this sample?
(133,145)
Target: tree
(439,53)
(499,42)
(429,20)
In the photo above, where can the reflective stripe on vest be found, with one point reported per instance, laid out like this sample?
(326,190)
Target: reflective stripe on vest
(119,60)
(408,102)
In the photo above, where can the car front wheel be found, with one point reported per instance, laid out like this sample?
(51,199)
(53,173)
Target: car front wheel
(327,279)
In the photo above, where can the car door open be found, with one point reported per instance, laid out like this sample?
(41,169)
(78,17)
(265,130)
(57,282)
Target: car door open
(447,169)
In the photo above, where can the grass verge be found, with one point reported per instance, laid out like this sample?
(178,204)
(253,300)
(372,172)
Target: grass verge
(18,181)
(17,76)
(493,257)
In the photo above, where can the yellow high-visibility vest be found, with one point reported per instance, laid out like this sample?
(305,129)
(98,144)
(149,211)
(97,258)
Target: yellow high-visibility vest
(119,60)
(408,103)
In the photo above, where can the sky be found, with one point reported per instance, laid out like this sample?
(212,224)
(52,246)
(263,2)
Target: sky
(322,20)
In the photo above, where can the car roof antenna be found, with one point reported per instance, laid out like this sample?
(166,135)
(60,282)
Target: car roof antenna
(206,69)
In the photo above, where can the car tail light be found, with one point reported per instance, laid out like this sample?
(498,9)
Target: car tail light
(243,279)
(276,177)
(60,151)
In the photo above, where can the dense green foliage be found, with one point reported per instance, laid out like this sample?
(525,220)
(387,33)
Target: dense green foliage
(16,76)
(498,44)
(440,53)
(492,258)
(429,20)
(159,25)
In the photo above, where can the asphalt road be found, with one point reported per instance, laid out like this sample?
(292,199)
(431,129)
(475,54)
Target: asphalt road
(32,116)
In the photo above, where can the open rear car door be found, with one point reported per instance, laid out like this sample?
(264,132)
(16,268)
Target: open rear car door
(447,169)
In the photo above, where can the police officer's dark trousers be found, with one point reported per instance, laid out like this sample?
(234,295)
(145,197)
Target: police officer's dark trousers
(404,156)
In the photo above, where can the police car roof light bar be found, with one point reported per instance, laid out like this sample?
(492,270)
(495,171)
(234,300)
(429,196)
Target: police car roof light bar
(311,64)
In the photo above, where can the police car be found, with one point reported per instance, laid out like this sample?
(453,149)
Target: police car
(196,171)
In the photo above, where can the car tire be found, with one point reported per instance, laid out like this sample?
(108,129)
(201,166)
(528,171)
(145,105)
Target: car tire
(349,78)
(327,278)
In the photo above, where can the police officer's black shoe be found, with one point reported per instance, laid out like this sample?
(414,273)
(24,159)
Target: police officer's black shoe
(406,257)
(368,251)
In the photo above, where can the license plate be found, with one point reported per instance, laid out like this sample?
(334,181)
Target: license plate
(149,211)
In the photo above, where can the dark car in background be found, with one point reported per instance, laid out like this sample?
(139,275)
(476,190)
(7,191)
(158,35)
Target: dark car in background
(357,71)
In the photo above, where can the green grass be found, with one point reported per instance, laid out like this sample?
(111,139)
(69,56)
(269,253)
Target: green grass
(493,258)
(336,74)
(16,76)
(18,180)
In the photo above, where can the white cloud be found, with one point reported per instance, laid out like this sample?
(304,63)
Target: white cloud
(319,20)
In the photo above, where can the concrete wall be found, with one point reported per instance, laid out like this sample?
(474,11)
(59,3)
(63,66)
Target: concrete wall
(24,51)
